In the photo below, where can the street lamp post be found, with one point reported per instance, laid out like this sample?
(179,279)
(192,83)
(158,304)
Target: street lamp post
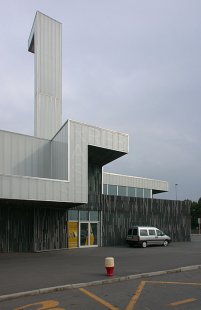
(176,190)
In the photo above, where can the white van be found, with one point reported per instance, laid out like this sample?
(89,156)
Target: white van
(146,235)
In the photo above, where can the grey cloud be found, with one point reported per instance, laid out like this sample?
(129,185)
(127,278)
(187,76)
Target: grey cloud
(127,65)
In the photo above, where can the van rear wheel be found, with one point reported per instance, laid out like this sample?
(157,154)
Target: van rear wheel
(165,243)
(144,244)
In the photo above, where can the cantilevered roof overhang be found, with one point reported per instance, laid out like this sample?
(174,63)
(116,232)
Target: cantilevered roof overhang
(102,156)
(157,186)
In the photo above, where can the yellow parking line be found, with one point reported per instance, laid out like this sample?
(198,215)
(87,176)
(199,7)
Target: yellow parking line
(182,302)
(138,292)
(136,296)
(177,283)
(46,304)
(98,299)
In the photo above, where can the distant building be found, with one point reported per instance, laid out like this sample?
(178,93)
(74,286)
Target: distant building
(53,191)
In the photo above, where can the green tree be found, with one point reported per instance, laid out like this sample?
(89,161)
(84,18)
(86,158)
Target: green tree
(195,213)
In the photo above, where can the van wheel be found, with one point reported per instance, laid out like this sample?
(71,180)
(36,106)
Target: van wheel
(144,244)
(165,243)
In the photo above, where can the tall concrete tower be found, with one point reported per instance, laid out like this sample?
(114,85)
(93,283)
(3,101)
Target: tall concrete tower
(45,43)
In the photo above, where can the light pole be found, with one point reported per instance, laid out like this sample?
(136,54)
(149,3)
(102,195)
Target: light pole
(176,190)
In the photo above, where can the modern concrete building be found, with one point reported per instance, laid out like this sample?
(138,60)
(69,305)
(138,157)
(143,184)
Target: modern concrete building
(53,191)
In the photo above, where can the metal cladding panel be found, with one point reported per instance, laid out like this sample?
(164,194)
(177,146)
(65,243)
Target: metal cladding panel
(64,161)
(78,162)
(48,113)
(26,188)
(108,139)
(82,135)
(45,43)
(24,155)
(60,156)
(132,181)
(77,154)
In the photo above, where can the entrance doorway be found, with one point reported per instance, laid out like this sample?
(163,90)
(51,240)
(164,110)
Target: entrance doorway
(88,234)
(84,228)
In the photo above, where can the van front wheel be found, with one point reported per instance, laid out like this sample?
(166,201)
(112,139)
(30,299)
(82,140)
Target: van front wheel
(144,244)
(165,243)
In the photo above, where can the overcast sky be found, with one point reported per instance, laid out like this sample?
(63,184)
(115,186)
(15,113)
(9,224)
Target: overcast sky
(131,66)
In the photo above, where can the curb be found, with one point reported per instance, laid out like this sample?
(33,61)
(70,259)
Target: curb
(93,283)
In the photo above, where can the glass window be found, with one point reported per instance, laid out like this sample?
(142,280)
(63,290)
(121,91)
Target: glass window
(140,192)
(160,233)
(72,215)
(151,232)
(84,238)
(93,234)
(122,191)
(143,232)
(131,192)
(130,232)
(84,215)
(112,189)
(147,193)
(105,189)
(93,215)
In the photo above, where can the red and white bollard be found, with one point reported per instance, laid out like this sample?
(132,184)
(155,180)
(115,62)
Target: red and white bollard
(109,265)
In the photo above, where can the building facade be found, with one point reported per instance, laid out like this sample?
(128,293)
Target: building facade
(54,193)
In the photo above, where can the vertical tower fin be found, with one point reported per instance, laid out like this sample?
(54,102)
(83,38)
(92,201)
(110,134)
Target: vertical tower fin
(45,42)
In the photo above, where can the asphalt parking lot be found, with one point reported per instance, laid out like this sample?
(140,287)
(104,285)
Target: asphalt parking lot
(22,272)
(170,291)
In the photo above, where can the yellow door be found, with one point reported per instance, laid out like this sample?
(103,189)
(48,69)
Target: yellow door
(72,234)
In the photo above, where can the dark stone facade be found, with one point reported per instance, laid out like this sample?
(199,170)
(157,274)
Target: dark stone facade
(50,229)
(29,227)
(119,213)
(16,228)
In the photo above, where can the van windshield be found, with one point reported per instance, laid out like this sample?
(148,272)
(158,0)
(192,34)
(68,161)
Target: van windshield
(160,233)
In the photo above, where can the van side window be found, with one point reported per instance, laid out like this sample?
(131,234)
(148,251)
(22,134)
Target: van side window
(135,232)
(130,232)
(152,232)
(143,232)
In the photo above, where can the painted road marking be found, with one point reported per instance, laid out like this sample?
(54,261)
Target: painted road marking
(143,283)
(182,302)
(138,293)
(177,283)
(98,299)
(136,296)
(53,304)
(43,305)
